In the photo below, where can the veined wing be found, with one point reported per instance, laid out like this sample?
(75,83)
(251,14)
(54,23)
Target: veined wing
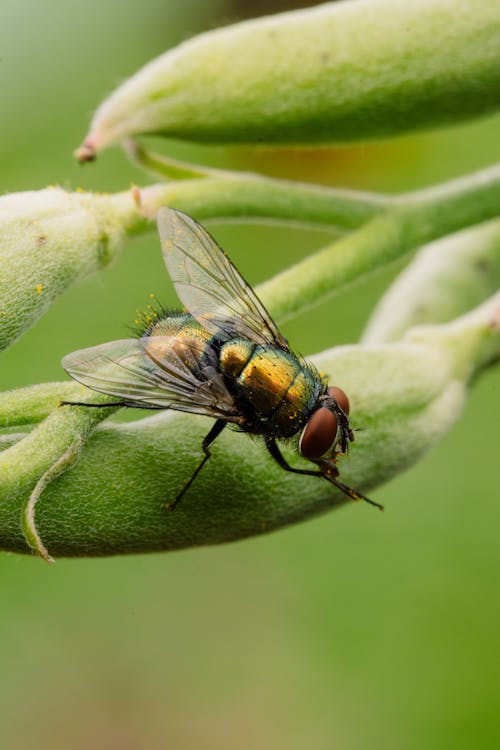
(149,372)
(208,284)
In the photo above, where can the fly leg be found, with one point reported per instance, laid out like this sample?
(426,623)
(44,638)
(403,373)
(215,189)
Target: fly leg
(330,473)
(95,406)
(207,441)
(281,461)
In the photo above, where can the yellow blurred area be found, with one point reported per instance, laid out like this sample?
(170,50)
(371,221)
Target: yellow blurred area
(357,630)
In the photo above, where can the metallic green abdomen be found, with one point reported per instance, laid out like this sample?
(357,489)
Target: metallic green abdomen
(271,384)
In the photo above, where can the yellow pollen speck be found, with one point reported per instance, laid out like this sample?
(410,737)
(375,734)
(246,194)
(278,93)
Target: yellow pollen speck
(39,288)
(151,296)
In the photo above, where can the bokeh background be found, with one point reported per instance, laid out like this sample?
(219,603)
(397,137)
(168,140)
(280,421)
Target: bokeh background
(351,631)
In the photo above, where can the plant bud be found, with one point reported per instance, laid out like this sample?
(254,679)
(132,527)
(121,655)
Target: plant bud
(49,239)
(337,72)
(445,279)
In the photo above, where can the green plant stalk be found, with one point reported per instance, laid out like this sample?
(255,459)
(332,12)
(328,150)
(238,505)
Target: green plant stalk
(112,500)
(61,464)
(32,404)
(167,167)
(228,194)
(341,71)
(24,464)
(413,220)
(50,239)
(250,196)
(445,279)
(10,438)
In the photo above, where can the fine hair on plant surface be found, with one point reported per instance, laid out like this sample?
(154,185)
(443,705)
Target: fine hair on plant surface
(334,73)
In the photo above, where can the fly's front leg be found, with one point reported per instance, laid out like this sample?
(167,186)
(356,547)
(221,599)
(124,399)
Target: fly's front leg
(207,441)
(346,433)
(329,472)
(281,461)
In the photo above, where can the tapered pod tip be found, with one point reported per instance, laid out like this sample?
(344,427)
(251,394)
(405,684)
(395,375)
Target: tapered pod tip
(86,152)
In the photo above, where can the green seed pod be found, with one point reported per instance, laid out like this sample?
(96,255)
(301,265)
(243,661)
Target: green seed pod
(50,239)
(445,279)
(341,71)
(112,498)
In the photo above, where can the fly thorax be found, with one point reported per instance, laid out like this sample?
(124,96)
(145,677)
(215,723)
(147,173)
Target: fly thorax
(177,342)
(296,406)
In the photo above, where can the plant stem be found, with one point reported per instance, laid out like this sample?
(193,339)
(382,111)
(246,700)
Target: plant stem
(165,166)
(445,279)
(32,460)
(251,196)
(51,238)
(24,406)
(416,218)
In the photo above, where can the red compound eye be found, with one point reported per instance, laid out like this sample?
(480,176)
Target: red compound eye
(319,434)
(340,397)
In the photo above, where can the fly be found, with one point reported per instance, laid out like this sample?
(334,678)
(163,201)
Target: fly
(224,358)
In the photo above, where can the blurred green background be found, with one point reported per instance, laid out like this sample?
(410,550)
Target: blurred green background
(351,631)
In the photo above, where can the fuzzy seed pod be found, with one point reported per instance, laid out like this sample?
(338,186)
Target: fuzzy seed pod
(445,279)
(341,71)
(50,239)
(404,395)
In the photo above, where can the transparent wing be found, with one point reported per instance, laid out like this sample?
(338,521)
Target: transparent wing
(150,372)
(208,284)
